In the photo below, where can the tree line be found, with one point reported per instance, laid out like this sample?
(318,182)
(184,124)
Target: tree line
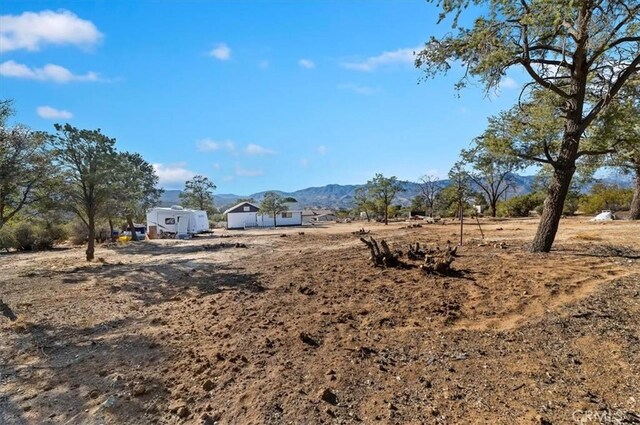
(46,178)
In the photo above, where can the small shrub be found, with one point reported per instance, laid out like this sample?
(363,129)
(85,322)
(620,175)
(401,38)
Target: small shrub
(606,197)
(7,238)
(25,236)
(37,236)
(47,235)
(521,206)
(78,233)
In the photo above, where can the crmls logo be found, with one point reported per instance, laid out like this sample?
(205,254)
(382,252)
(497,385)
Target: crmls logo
(598,417)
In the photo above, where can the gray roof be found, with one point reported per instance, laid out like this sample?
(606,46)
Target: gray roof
(239,205)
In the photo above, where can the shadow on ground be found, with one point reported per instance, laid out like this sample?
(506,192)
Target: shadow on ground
(87,368)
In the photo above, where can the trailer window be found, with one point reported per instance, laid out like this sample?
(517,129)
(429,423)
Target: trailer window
(247,208)
(287,215)
(170,220)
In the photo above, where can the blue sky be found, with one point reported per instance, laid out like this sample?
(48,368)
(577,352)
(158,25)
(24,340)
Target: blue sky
(254,95)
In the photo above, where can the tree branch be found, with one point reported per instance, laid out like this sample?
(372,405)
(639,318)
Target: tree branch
(630,71)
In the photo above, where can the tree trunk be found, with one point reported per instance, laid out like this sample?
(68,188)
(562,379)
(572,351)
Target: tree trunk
(275,224)
(113,239)
(461,208)
(552,211)
(132,227)
(367,214)
(494,208)
(91,243)
(634,212)
(386,215)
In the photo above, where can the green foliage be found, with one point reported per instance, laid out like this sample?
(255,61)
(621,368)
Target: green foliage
(578,54)
(363,202)
(572,202)
(198,194)
(273,204)
(78,234)
(133,189)
(37,236)
(491,172)
(25,238)
(606,197)
(25,165)
(418,203)
(381,191)
(87,160)
(521,206)
(7,238)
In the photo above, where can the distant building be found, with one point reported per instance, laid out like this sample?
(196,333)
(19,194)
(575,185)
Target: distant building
(310,215)
(247,215)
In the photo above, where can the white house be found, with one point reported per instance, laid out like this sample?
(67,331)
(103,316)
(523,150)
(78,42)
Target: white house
(246,215)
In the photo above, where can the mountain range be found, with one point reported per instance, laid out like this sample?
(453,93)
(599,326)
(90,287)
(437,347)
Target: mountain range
(335,196)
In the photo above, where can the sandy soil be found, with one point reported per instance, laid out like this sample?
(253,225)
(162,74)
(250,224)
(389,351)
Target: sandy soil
(301,329)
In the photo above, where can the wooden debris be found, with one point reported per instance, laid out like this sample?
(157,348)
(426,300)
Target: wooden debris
(440,261)
(412,226)
(361,232)
(381,256)
(415,252)
(223,245)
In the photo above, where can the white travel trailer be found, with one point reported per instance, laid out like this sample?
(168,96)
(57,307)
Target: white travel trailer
(177,221)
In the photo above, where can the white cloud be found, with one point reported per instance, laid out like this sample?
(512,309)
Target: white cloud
(304,162)
(322,150)
(221,52)
(31,31)
(264,64)
(47,112)
(243,172)
(306,63)
(172,173)
(253,149)
(49,72)
(209,145)
(356,88)
(509,83)
(400,56)
(216,166)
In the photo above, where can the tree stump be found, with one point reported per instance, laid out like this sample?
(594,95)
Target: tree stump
(415,252)
(439,261)
(381,256)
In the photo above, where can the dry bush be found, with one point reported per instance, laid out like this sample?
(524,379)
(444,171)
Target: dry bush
(586,236)
(78,233)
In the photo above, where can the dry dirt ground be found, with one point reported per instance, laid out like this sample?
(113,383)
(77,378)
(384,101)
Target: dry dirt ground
(301,329)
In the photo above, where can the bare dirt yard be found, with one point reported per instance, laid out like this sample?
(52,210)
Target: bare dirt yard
(284,327)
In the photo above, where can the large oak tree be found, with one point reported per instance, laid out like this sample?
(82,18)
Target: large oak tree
(583,51)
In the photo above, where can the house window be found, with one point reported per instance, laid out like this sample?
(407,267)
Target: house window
(170,220)
(287,215)
(247,208)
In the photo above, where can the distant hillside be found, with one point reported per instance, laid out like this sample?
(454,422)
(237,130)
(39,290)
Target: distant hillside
(333,195)
(337,196)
